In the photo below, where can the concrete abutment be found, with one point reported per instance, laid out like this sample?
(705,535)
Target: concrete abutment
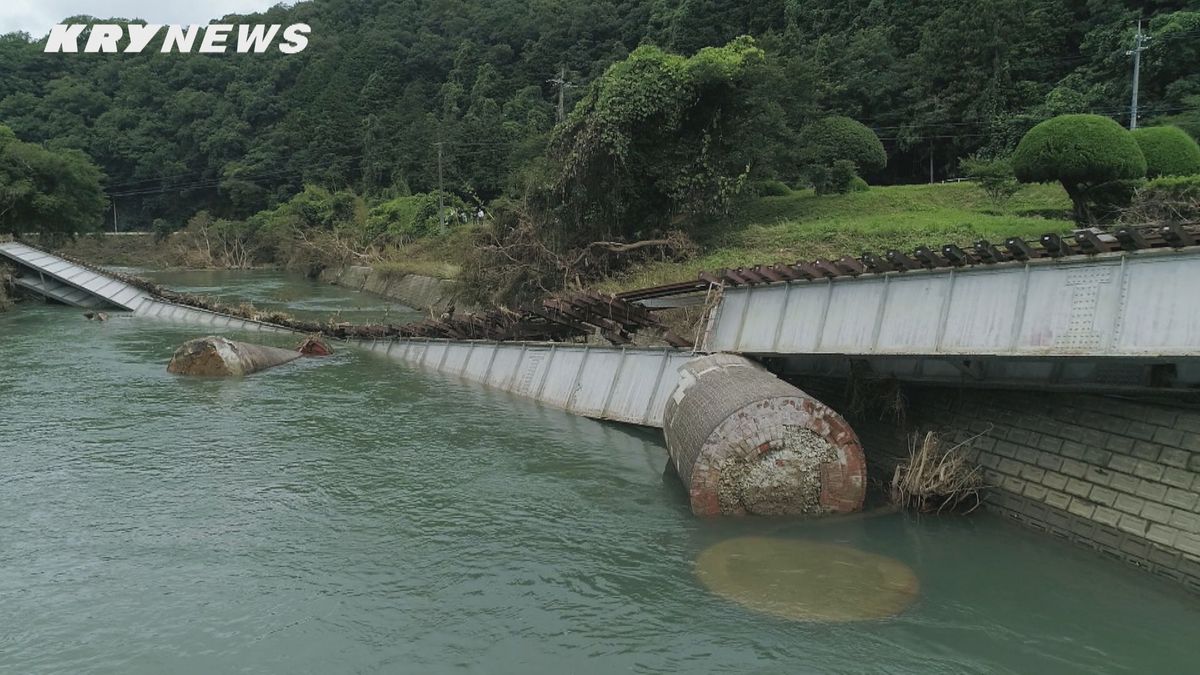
(1118,475)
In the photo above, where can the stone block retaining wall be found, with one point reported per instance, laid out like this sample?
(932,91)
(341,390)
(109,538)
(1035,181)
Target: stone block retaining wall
(1119,475)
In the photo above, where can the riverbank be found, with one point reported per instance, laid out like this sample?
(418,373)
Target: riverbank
(421,292)
(425,283)
(803,225)
(799,225)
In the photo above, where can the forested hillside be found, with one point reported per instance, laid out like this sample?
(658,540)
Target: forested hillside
(384,82)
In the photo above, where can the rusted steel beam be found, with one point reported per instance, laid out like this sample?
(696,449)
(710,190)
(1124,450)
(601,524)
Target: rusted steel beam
(585,317)
(769,273)
(901,261)
(1090,242)
(827,268)
(1177,236)
(1020,249)
(558,318)
(957,256)
(1131,238)
(1055,245)
(733,278)
(988,253)
(874,262)
(851,266)
(786,271)
(928,258)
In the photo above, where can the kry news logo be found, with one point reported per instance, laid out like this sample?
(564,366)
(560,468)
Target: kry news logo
(105,38)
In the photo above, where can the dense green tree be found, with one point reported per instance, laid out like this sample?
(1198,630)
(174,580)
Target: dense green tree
(1083,152)
(385,83)
(1169,151)
(660,137)
(55,192)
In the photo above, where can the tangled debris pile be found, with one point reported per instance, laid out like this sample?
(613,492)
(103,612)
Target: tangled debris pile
(574,316)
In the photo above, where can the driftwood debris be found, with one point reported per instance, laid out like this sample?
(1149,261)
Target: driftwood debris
(936,478)
(314,346)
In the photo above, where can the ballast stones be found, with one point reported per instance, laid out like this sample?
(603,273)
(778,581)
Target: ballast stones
(745,442)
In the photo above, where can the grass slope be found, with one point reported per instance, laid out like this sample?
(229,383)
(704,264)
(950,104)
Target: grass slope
(804,226)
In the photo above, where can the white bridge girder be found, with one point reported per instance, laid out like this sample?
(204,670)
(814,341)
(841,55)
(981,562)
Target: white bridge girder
(1129,304)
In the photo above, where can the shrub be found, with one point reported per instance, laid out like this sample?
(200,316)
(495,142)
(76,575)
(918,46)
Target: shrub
(1174,188)
(841,175)
(857,184)
(404,219)
(994,176)
(771,188)
(1169,151)
(840,138)
(1082,152)
(837,179)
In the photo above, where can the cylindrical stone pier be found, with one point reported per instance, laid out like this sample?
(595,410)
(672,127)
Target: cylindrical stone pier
(746,442)
(219,357)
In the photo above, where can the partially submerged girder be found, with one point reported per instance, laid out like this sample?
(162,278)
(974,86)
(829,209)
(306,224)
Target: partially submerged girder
(622,384)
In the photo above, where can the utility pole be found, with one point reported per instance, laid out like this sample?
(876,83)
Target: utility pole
(1139,44)
(441,192)
(560,83)
(114,201)
(931,161)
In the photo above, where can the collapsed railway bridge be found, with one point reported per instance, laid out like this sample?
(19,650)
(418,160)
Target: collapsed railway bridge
(1067,365)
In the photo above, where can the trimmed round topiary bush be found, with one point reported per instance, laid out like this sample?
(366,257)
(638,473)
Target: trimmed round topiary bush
(770,188)
(1081,152)
(1169,151)
(840,138)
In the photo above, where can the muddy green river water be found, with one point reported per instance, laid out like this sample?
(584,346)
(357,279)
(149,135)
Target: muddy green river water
(351,515)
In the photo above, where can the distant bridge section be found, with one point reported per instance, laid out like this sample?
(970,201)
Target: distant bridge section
(70,283)
(67,282)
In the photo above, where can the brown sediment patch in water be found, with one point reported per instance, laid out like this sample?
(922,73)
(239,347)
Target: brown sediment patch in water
(807,580)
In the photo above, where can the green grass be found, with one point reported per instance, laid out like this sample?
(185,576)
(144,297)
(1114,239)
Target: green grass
(434,256)
(804,226)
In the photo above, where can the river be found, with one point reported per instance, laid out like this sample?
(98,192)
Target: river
(350,515)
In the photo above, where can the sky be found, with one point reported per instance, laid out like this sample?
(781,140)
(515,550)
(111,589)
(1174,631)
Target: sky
(37,16)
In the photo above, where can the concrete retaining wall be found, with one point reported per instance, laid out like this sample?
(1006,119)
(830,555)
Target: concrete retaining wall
(417,291)
(1121,476)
